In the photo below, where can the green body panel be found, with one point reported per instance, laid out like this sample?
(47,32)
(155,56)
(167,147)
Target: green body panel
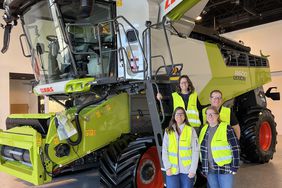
(226,78)
(181,9)
(100,124)
(31,116)
(29,139)
(78,85)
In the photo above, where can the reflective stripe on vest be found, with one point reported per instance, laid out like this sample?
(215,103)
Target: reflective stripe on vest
(224,115)
(192,111)
(183,147)
(221,150)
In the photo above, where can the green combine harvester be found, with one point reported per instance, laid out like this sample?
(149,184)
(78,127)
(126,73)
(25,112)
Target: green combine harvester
(104,61)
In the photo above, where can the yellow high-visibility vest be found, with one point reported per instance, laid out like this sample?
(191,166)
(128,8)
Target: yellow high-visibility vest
(182,148)
(224,115)
(221,149)
(192,110)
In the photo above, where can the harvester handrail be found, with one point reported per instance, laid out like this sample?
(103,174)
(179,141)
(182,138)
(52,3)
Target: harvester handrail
(167,41)
(164,64)
(161,104)
(116,29)
(139,42)
(123,50)
(162,25)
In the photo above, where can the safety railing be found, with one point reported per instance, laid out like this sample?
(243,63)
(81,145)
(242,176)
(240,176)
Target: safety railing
(120,31)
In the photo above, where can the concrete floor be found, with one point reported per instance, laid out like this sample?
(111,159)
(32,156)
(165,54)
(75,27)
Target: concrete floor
(262,175)
(249,176)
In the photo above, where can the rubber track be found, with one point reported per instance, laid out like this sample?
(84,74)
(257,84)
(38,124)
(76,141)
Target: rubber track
(120,161)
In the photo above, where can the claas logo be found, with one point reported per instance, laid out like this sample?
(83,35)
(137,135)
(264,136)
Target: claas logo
(168,3)
(46,90)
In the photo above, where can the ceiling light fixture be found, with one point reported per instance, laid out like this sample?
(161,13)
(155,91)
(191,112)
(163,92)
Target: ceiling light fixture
(198,18)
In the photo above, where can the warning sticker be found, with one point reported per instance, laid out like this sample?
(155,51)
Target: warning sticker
(119,3)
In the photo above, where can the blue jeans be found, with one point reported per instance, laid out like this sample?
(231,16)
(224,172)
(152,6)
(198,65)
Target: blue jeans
(220,180)
(179,181)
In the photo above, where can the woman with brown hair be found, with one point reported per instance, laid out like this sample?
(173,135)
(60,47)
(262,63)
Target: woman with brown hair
(219,151)
(180,151)
(187,98)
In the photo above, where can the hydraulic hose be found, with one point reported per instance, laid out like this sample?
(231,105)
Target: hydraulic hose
(79,132)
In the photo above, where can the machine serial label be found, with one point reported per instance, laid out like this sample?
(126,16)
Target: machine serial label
(90,132)
(240,75)
(56,140)
(38,140)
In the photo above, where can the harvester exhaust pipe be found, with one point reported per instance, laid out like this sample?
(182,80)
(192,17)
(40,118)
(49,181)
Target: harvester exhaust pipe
(85,8)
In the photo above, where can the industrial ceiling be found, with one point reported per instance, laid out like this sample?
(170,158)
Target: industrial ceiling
(230,15)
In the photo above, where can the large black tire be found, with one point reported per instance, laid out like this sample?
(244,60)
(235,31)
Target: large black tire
(258,135)
(131,161)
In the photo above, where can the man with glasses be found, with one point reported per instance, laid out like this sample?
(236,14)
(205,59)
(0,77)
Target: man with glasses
(226,114)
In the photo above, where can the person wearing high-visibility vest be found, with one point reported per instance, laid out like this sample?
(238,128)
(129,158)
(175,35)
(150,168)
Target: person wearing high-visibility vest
(226,114)
(187,97)
(180,151)
(220,151)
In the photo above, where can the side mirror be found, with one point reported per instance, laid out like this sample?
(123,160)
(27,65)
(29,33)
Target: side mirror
(274,95)
(6,41)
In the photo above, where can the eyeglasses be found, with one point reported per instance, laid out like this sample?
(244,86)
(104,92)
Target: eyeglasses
(183,82)
(211,114)
(217,98)
(179,114)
